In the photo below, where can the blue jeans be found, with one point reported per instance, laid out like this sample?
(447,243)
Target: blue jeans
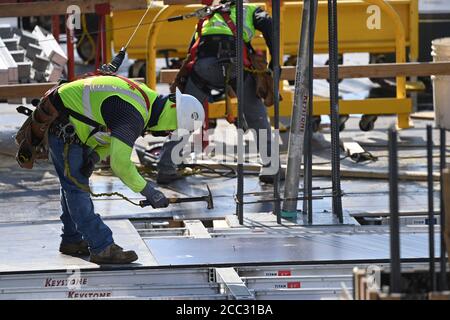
(210,71)
(78,217)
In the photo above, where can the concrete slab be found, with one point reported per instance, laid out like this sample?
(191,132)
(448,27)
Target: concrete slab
(34,247)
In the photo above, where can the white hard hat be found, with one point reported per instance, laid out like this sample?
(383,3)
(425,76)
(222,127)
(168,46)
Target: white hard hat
(190,113)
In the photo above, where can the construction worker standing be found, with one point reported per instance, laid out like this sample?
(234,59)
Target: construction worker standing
(211,65)
(93,118)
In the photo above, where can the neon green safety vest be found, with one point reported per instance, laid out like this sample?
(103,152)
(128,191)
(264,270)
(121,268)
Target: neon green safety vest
(85,96)
(217,25)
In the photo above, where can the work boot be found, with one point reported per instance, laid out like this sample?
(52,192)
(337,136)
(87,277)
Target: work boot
(77,249)
(114,254)
(266,175)
(166,177)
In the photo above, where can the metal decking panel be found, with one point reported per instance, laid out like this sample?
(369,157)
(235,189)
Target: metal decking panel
(34,247)
(300,250)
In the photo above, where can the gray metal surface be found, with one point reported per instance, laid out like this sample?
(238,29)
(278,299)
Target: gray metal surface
(232,284)
(118,284)
(34,247)
(305,249)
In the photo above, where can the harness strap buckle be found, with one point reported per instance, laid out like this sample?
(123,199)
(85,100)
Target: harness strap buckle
(68,130)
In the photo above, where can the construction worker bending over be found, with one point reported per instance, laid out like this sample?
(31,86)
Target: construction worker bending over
(211,65)
(88,120)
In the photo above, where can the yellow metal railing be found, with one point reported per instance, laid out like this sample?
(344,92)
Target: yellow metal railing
(155,26)
(399,105)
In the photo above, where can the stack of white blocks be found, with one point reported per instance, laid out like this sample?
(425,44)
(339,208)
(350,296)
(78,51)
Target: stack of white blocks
(29,56)
(8,67)
(53,52)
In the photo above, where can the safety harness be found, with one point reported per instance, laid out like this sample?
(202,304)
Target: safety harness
(133,85)
(226,17)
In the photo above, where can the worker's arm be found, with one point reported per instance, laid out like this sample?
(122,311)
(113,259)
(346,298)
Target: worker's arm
(123,167)
(126,125)
(263,22)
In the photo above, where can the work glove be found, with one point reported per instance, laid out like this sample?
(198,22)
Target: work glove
(90,160)
(156,198)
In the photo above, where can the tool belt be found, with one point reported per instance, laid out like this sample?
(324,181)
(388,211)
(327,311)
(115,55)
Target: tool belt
(208,46)
(263,77)
(217,46)
(32,137)
(182,76)
(65,130)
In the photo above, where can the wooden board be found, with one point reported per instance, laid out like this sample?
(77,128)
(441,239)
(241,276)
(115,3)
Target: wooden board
(185,2)
(423,115)
(325,171)
(47,8)
(196,229)
(379,70)
(30,90)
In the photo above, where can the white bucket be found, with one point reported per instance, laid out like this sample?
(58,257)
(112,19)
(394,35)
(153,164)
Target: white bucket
(441,84)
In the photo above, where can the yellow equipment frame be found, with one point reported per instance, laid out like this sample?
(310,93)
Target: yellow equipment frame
(400,16)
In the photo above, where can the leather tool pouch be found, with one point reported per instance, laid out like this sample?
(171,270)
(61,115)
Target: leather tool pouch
(32,137)
(182,75)
(263,77)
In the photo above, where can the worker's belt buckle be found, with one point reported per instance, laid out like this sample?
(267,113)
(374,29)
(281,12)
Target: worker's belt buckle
(68,130)
(67,133)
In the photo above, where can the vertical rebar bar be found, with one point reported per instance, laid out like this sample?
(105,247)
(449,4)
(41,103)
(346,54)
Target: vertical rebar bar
(240,97)
(308,204)
(442,258)
(276,92)
(334,107)
(431,207)
(70,53)
(395,276)
(298,119)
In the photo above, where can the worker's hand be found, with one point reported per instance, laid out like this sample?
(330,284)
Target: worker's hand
(156,198)
(90,160)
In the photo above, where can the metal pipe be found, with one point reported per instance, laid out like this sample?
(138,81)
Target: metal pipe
(395,276)
(55,26)
(276,91)
(298,119)
(442,258)
(334,108)
(70,53)
(240,97)
(431,207)
(152,37)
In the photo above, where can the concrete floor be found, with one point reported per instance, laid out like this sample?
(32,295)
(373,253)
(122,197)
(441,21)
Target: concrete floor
(33,195)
